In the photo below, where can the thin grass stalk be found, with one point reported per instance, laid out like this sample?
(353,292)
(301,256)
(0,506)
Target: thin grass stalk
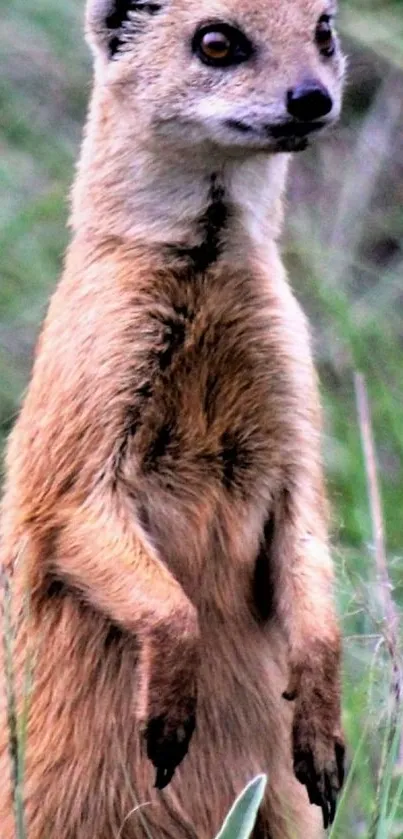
(390,622)
(334,831)
(396,801)
(382,828)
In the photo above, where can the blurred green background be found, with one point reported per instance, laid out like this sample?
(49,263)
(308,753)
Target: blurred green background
(344,249)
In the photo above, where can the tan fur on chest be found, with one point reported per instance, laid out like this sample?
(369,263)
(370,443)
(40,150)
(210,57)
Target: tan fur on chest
(215,426)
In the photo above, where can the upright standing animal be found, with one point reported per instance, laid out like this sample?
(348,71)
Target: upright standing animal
(164,514)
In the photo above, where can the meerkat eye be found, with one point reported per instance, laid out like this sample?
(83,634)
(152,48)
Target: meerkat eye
(220,45)
(324,36)
(215,46)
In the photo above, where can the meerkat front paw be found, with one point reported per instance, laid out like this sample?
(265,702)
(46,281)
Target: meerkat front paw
(317,740)
(168,741)
(167,693)
(318,763)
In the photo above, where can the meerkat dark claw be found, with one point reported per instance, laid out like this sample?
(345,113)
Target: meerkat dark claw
(163,777)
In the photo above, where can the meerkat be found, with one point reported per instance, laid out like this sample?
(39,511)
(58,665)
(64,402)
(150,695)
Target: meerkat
(164,513)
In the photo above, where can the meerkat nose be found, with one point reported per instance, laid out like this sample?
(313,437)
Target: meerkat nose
(308,101)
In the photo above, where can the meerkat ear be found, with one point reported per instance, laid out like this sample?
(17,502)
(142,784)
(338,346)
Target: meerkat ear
(111,24)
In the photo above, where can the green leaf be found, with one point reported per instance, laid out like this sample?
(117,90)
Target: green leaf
(242,816)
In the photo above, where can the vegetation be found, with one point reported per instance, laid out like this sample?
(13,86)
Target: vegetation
(242,816)
(344,249)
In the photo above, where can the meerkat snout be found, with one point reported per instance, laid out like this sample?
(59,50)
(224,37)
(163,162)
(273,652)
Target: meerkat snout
(309,101)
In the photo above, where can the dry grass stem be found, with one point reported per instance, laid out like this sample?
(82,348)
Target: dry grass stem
(389,610)
(390,616)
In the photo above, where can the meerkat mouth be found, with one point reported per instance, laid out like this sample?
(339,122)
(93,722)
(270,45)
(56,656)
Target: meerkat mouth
(291,144)
(293,129)
(291,135)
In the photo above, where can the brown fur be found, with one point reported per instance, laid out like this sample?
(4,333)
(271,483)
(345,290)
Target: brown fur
(164,505)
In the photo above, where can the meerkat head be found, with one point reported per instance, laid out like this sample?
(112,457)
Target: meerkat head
(240,75)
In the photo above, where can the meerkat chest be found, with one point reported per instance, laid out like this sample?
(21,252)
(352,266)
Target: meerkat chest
(215,397)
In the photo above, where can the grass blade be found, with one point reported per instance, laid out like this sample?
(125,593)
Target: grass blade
(241,818)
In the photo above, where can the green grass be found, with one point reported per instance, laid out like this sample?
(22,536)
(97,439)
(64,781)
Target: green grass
(344,249)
